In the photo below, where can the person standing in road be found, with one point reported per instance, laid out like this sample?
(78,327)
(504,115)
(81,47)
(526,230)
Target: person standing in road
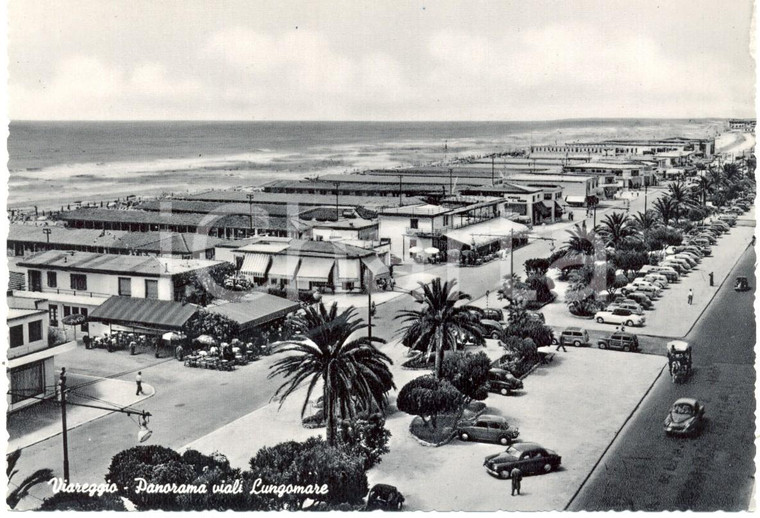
(138,381)
(711,279)
(691,296)
(516,476)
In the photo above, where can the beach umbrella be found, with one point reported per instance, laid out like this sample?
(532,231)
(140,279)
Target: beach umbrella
(172,336)
(453,253)
(431,250)
(415,250)
(206,340)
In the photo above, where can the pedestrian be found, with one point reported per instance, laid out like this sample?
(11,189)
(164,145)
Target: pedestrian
(138,381)
(691,296)
(132,348)
(711,279)
(373,309)
(516,476)
(561,343)
(179,352)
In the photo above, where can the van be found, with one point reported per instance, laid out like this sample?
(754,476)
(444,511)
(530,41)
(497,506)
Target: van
(574,336)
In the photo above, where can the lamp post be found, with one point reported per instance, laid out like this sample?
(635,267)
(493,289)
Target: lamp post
(368,282)
(143,419)
(250,209)
(337,192)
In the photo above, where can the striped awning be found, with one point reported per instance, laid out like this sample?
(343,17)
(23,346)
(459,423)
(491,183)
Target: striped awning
(348,270)
(128,311)
(255,264)
(376,266)
(315,269)
(283,267)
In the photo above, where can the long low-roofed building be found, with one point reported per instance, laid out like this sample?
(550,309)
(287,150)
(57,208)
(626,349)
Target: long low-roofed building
(300,200)
(24,240)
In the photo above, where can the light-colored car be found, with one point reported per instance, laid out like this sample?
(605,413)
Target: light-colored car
(668,272)
(487,428)
(657,279)
(633,307)
(620,316)
(697,257)
(692,262)
(643,286)
(675,263)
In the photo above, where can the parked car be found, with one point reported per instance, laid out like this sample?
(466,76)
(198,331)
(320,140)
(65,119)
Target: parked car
(384,497)
(491,328)
(635,297)
(621,341)
(572,336)
(643,286)
(728,218)
(657,278)
(487,428)
(686,416)
(677,265)
(693,255)
(685,257)
(701,250)
(529,457)
(633,307)
(536,316)
(668,272)
(620,316)
(722,225)
(502,381)
(493,314)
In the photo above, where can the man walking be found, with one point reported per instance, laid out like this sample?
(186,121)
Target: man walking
(711,279)
(516,476)
(561,343)
(691,296)
(138,380)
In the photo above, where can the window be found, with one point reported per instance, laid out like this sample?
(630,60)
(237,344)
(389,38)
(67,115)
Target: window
(52,279)
(27,381)
(53,310)
(78,282)
(35,331)
(151,289)
(17,335)
(125,287)
(414,223)
(66,311)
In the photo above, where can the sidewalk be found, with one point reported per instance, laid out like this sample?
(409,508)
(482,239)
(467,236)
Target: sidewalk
(43,420)
(550,411)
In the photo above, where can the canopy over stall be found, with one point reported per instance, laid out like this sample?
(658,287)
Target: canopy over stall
(257,309)
(376,266)
(283,267)
(315,269)
(143,313)
(255,265)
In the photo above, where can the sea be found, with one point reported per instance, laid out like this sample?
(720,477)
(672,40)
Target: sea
(51,163)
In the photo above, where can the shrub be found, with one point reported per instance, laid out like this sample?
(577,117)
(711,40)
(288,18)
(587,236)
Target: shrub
(214,324)
(56,336)
(82,502)
(429,397)
(468,373)
(538,266)
(366,437)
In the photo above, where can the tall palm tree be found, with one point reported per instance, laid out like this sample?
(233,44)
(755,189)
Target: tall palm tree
(706,184)
(436,327)
(665,209)
(581,241)
(680,196)
(645,221)
(21,490)
(615,228)
(354,374)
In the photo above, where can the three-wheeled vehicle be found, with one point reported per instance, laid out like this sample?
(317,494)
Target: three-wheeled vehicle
(741,284)
(679,360)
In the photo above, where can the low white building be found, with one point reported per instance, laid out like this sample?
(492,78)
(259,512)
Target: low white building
(31,357)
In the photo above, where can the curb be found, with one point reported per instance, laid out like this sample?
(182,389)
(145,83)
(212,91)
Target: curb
(614,438)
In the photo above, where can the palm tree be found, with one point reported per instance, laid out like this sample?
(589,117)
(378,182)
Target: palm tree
(615,228)
(21,490)
(665,209)
(581,241)
(680,196)
(354,374)
(645,221)
(436,327)
(706,184)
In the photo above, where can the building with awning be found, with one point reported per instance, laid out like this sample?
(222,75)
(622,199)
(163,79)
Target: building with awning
(311,265)
(256,310)
(146,316)
(488,236)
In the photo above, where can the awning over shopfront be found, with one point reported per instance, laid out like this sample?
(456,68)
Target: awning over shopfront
(157,314)
(255,264)
(257,309)
(315,269)
(283,267)
(558,209)
(349,270)
(376,266)
(543,210)
(487,232)
(575,200)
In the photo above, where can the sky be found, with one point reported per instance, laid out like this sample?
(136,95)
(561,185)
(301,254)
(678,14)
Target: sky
(401,60)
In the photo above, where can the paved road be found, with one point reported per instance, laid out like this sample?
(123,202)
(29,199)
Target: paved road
(646,471)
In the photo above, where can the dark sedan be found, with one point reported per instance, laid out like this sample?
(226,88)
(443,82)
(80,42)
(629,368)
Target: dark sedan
(384,497)
(529,457)
(685,417)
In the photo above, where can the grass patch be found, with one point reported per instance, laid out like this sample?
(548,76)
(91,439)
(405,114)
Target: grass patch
(439,435)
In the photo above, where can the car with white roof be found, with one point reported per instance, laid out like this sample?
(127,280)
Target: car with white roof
(620,316)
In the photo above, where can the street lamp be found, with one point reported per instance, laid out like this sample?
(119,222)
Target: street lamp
(250,209)
(143,419)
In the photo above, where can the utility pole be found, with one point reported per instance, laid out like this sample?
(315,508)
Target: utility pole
(492,171)
(511,254)
(645,196)
(47,232)
(451,182)
(400,190)
(368,280)
(595,204)
(63,424)
(250,210)
(337,186)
